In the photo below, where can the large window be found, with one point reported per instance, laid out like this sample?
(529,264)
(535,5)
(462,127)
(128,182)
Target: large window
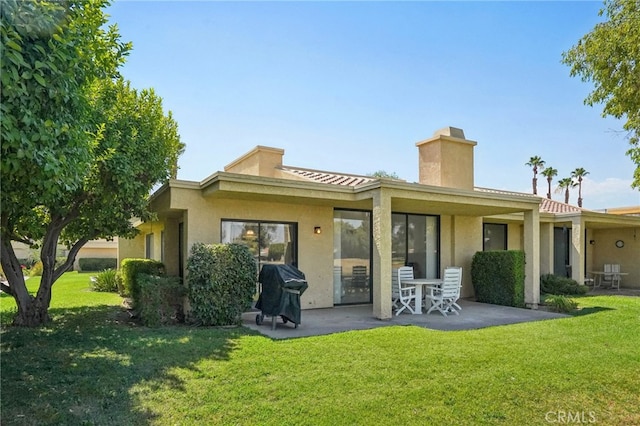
(494,236)
(148,246)
(351,257)
(415,242)
(269,242)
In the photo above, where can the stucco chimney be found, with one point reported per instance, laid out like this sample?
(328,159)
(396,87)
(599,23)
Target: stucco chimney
(446,159)
(260,161)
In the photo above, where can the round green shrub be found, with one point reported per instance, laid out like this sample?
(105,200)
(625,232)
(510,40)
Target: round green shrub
(556,284)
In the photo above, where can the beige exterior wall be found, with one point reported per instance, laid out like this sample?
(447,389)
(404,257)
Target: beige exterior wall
(466,235)
(130,248)
(315,251)
(605,251)
(546,248)
(515,234)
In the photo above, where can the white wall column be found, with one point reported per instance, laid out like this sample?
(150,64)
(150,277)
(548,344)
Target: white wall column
(576,250)
(382,254)
(532,258)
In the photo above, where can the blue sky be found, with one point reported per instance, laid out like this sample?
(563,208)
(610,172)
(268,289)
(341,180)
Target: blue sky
(352,86)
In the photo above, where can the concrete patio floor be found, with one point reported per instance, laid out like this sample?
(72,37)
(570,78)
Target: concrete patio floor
(316,322)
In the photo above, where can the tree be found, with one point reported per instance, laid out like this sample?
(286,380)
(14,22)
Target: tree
(609,56)
(535,162)
(384,174)
(578,174)
(549,173)
(81,150)
(564,185)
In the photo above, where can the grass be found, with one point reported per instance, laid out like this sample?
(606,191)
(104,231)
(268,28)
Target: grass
(90,367)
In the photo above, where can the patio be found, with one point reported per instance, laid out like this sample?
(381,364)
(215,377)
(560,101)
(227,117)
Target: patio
(359,317)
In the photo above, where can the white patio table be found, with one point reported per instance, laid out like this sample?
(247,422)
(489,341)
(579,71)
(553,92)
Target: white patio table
(597,282)
(420,283)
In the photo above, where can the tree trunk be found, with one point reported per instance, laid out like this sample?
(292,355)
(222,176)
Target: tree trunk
(580,192)
(535,186)
(31,311)
(34,311)
(549,193)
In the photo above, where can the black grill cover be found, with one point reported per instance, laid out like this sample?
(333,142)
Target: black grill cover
(282,286)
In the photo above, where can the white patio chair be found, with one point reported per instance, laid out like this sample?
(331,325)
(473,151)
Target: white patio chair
(406,293)
(615,279)
(444,298)
(610,277)
(395,291)
(455,303)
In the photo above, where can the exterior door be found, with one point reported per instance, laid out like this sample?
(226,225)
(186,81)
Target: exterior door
(351,257)
(561,262)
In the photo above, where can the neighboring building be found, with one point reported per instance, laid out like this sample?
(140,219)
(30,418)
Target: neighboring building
(97,249)
(92,249)
(347,232)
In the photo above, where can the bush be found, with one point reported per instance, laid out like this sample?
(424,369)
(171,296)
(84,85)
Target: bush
(107,280)
(159,300)
(555,284)
(88,264)
(559,303)
(276,251)
(221,283)
(498,277)
(36,269)
(129,271)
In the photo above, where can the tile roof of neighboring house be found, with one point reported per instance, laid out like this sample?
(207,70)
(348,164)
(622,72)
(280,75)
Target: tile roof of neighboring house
(546,206)
(328,177)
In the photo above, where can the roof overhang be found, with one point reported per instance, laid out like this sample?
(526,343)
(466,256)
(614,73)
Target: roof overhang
(405,196)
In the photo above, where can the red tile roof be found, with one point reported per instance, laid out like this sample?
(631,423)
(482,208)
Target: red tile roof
(546,205)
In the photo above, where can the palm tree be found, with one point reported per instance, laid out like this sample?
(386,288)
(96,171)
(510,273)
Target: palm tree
(565,184)
(578,174)
(550,173)
(535,162)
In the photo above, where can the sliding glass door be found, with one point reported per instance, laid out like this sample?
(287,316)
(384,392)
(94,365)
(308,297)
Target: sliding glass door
(415,242)
(351,257)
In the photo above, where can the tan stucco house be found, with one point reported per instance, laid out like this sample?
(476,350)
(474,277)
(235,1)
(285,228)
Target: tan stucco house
(347,233)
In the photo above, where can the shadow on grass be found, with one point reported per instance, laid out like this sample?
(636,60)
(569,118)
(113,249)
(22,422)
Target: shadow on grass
(590,310)
(82,368)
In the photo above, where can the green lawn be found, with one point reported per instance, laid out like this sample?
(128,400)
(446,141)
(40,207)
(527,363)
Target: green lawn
(91,367)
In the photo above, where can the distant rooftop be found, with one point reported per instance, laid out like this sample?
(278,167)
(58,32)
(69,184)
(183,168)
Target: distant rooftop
(546,206)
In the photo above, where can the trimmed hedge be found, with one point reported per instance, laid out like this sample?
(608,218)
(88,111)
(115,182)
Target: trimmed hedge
(159,300)
(559,285)
(498,277)
(221,283)
(90,264)
(129,271)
